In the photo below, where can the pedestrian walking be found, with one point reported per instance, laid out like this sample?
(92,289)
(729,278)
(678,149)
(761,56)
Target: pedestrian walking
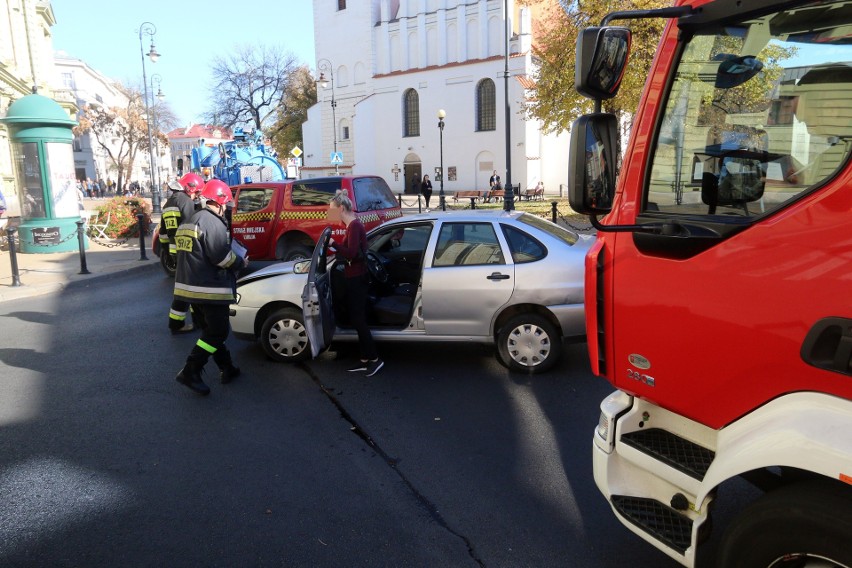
(206,277)
(353,250)
(179,208)
(426,190)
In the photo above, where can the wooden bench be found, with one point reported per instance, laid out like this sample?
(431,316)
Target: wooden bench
(495,194)
(533,194)
(472,195)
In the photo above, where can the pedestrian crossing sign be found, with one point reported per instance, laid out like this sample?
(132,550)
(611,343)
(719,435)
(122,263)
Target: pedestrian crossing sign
(336,158)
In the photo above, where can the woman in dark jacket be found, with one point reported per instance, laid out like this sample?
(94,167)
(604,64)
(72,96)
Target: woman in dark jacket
(426,190)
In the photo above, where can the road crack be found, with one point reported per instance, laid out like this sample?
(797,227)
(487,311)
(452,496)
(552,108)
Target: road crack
(393,463)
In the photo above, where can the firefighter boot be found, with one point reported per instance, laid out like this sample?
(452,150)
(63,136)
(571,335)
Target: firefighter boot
(229,372)
(190,376)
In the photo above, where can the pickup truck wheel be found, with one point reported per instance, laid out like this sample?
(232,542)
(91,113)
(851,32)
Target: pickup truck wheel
(298,252)
(805,525)
(529,343)
(284,337)
(168,261)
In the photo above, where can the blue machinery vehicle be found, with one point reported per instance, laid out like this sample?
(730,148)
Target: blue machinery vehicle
(244,159)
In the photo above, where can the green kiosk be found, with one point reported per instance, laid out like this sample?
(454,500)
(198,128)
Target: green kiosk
(41,137)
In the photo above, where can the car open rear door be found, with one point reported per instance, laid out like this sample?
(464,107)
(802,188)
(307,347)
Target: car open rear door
(316,298)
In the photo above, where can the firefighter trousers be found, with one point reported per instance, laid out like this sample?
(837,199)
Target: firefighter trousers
(215,327)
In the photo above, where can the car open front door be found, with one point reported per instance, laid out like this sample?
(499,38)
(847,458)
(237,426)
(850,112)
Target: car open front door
(316,298)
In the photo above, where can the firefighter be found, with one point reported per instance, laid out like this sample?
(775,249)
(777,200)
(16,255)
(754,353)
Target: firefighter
(179,208)
(206,278)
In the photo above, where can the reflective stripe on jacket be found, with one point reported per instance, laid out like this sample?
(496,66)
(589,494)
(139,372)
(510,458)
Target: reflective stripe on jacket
(206,265)
(177,209)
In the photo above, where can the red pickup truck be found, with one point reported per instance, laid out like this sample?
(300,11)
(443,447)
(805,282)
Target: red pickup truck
(281,220)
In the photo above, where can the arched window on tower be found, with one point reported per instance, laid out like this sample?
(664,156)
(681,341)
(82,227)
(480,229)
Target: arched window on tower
(411,113)
(486,106)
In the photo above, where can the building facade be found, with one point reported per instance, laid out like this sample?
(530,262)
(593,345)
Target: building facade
(183,140)
(391,65)
(89,87)
(26,63)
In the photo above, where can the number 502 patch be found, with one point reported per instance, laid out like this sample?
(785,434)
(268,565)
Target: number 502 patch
(184,244)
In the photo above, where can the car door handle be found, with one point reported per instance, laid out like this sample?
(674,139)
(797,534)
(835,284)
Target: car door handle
(498,276)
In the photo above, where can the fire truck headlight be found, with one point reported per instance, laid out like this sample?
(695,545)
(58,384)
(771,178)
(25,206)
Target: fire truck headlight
(612,407)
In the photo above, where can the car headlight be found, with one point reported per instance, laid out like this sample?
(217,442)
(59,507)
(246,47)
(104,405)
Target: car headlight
(238,299)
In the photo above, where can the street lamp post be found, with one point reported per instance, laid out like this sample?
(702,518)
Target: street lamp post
(508,194)
(156,78)
(324,65)
(441,197)
(147,28)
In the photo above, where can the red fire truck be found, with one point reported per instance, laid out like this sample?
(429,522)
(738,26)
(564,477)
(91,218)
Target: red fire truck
(719,291)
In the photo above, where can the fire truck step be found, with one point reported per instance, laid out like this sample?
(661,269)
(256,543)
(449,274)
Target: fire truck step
(679,453)
(660,521)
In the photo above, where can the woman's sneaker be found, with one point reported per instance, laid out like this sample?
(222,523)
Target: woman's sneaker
(374,367)
(359,368)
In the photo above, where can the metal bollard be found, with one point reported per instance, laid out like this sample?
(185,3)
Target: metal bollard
(140,220)
(13,256)
(399,198)
(553,209)
(419,208)
(81,241)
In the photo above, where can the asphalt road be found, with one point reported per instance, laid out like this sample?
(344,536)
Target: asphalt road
(442,459)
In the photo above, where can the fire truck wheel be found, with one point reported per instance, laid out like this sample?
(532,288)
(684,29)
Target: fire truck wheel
(529,343)
(298,252)
(801,525)
(283,336)
(168,262)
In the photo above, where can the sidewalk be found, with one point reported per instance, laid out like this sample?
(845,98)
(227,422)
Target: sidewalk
(51,272)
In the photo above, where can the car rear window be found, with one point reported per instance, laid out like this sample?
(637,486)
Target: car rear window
(372,193)
(312,194)
(552,229)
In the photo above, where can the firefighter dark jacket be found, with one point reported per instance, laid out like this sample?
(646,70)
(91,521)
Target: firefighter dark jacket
(206,265)
(178,209)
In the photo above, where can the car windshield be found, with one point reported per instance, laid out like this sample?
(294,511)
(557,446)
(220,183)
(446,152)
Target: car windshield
(552,229)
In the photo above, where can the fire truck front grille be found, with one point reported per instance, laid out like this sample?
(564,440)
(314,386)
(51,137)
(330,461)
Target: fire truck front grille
(662,522)
(681,454)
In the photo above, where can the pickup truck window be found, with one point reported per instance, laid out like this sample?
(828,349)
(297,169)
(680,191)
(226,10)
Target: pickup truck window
(758,114)
(372,193)
(312,194)
(253,199)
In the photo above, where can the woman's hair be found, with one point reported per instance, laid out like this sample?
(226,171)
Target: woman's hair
(426,176)
(342,200)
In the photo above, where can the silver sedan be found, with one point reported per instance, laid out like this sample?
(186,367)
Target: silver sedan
(505,278)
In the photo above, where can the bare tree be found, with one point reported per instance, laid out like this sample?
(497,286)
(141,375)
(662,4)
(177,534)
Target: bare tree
(249,85)
(122,132)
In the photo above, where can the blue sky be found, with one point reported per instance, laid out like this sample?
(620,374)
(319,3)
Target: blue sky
(105,34)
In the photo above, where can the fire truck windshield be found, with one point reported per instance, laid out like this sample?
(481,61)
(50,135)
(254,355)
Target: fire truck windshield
(759,113)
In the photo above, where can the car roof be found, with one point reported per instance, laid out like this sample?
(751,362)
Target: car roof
(459,215)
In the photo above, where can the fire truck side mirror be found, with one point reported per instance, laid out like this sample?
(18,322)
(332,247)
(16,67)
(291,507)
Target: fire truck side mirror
(591,163)
(600,61)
